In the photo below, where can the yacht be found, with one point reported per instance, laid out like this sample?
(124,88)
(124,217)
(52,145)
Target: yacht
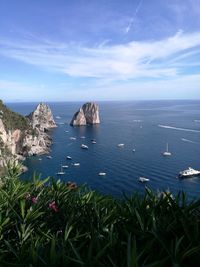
(84,146)
(65,166)
(143,179)
(190,172)
(120,145)
(167,153)
(102,173)
(61,172)
(68,157)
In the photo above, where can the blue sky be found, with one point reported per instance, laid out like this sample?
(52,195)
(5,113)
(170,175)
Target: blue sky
(69,50)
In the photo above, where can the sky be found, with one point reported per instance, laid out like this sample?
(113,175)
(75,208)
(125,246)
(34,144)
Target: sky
(92,50)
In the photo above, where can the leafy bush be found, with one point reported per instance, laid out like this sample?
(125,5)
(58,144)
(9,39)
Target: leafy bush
(51,223)
(12,120)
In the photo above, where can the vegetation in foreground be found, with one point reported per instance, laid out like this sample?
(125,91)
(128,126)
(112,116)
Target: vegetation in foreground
(61,224)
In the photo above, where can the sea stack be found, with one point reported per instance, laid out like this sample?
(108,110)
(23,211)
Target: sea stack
(42,117)
(87,114)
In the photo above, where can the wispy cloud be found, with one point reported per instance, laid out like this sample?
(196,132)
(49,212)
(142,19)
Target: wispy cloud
(151,59)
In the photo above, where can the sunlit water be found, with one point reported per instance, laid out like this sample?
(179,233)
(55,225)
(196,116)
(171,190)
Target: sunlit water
(145,126)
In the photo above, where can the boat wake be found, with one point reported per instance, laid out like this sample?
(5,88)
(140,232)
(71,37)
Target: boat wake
(189,141)
(178,129)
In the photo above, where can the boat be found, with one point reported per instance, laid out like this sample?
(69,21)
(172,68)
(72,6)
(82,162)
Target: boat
(39,159)
(65,166)
(190,172)
(120,145)
(94,142)
(68,157)
(61,172)
(133,150)
(143,179)
(167,153)
(84,146)
(58,117)
(82,137)
(76,164)
(49,157)
(72,138)
(102,173)
(66,131)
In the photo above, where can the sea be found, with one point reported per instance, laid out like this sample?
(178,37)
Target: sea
(144,127)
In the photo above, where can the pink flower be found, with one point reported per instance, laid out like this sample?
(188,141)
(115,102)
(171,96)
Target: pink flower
(53,206)
(34,200)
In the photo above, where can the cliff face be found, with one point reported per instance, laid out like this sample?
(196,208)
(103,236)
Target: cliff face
(88,114)
(21,136)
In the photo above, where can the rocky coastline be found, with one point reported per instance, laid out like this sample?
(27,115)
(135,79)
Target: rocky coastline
(25,136)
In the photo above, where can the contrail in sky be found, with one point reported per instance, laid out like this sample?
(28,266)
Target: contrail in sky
(133,17)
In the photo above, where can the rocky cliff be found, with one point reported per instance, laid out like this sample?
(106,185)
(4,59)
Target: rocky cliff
(21,136)
(87,114)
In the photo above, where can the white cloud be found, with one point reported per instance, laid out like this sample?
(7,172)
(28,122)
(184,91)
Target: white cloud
(117,62)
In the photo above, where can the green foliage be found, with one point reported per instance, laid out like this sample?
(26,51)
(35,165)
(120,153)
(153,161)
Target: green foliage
(12,120)
(50,223)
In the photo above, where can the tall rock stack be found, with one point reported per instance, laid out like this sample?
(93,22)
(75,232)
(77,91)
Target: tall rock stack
(42,117)
(87,114)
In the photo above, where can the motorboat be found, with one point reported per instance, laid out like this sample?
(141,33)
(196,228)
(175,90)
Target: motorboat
(120,145)
(58,117)
(82,137)
(143,179)
(167,153)
(68,157)
(49,157)
(76,164)
(133,150)
(72,138)
(190,172)
(65,166)
(84,146)
(102,173)
(93,141)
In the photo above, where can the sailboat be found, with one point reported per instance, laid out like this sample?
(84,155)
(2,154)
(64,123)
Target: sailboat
(167,153)
(61,172)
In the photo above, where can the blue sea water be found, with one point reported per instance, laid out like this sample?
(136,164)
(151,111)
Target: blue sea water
(145,126)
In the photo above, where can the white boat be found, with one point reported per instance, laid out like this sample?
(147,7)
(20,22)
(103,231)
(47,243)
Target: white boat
(143,179)
(76,164)
(102,173)
(49,157)
(167,153)
(39,159)
(94,142)
(72,138)
(84,146)
(61,172)
(68,157)
(133,150)
(66,131)
(190,172)
(82,137)
(120,145)
(65,166)
(58,117)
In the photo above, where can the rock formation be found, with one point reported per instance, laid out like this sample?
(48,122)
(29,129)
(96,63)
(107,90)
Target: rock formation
(21,136)
(42,118)
(87,114)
